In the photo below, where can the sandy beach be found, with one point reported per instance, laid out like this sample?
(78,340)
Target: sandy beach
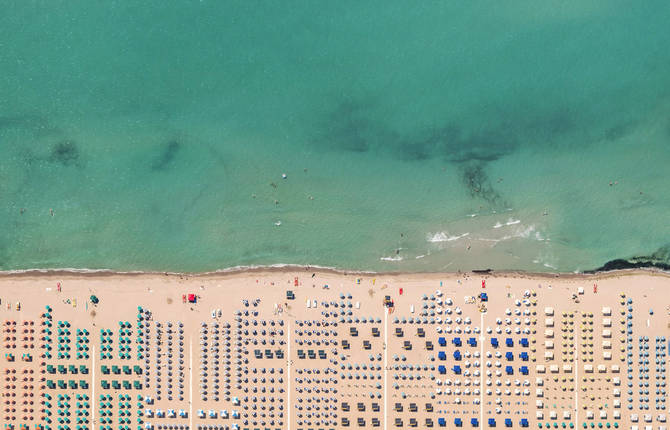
(304,349)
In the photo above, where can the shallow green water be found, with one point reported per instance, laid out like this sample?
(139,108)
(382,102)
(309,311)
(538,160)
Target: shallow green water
(429,136)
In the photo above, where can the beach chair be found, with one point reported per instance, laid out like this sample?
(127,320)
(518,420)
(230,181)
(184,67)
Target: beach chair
(457,342)
(311,354)
(457,422)
(407,345)
(509,342)
(398,407)
(429,422)
(442,341)
(494,342)
(375,422)
(360,406)
(367,344)
(442,370)
(375,332)
(375,407)
(413,407)
(457,355)
(345,422)
(429,345)
(399,332)
(509,370)
(345,344)
(413,422)
(345,407)
(398,422)
(492,422)
(474,422)
(420,332)
(361,422)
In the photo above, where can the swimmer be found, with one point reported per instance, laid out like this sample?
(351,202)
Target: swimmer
(311,197)
(273,185)
(253,196)
(24,209)
(51,211)
(545,213)
(276,202)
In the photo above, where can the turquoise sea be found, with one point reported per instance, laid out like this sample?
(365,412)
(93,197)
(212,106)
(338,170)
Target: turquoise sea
(414,136)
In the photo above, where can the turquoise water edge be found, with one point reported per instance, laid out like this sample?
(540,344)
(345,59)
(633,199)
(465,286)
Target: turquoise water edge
(414,136)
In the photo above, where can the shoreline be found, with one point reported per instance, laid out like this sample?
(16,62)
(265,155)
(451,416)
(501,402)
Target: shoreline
(293,268)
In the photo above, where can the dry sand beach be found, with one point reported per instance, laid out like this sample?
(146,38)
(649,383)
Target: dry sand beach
(303,349)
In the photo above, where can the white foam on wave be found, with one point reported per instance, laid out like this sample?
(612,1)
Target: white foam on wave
(444,237)
(396,258)
(510,221)
(420,256)
(519,232)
